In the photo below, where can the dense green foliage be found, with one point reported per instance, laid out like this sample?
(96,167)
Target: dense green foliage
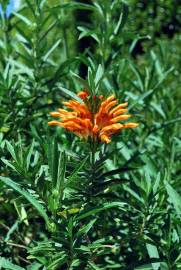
(64,206)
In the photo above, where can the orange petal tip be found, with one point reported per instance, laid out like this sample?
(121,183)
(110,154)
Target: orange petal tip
(83,95)
(55,114)
(131,125)
(105,139)
(52,123)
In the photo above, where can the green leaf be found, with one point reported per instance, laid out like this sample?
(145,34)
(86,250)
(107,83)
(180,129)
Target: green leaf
(138,75)
(85,32)
(99,75)
(85,229)
(30,153)
(76,171)
(9,164)
(147,265)
(6,264)
(51,49)
(91,79)
(11,150)
(61,70)
(122,19)
(138,38)
(80,80)
(28,196)
(23,18)
(140,99)
(48,30)
(94,266)
(23,37)
(57,261)
(74,5)
(135,195)
(97,210)
(21,212)
(99,8)
(153,253)
(157,63)
(34,266)
(69,93)
(36,134)
(174,197)
(163,77)
(118,171)
(11,230)
(144,267)
(57,165)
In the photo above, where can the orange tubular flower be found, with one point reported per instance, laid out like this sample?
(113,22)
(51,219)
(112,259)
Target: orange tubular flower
(83,95)
(100,125)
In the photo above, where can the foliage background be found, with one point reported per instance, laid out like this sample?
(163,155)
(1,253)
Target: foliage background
(58,210)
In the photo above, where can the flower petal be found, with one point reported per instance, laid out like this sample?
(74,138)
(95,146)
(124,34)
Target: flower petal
(131,125)
(120,118)
(112,128)
(105,138)
(55,114)
(110,104)
(120,106)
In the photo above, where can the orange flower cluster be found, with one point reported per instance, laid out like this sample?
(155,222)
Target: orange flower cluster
(99,125)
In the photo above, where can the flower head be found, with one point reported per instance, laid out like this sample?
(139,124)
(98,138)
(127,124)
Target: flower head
(100,123)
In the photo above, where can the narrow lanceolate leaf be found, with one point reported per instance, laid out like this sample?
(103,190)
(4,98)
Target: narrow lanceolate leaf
(51,50)
(25,194)
(23,18)
(94,266)
(57,261)
(85,229)
(11,231)
(174,197)
(76,171)
(53,160)
(11,150)
(99,75)
(6,264)
(30,153)
(141,98)
(8,164)
(163,77)
(122,19)
(80,80)
(117,171)
(34,266)
(97,210)
(69,93)
(139,76)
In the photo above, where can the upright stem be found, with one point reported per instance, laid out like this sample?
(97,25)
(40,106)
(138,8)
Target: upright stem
(93,160)
(93,154)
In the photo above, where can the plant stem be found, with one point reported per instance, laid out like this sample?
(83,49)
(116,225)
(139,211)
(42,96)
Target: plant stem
(14,245)
(93,160)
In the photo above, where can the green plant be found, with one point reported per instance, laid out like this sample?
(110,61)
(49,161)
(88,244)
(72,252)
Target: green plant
(66,204)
